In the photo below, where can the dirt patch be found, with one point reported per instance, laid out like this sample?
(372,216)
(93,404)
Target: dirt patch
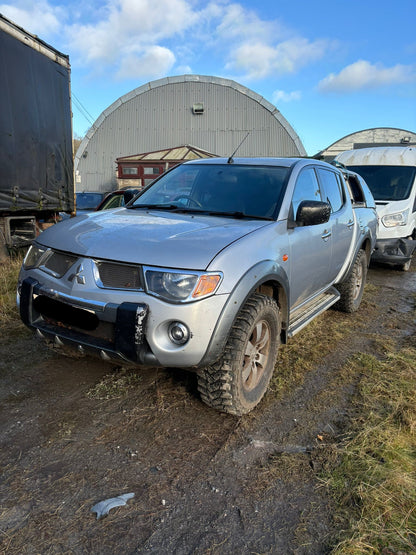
(76,431)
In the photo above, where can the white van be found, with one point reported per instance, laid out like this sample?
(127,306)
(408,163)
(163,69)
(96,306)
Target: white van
(390,173)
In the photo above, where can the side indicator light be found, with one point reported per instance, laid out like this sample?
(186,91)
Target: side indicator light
(285,257)
(206,285)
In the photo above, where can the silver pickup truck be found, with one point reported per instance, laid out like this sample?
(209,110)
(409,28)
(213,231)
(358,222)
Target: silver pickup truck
(210,269)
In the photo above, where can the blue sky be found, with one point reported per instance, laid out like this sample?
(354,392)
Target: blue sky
(331,67)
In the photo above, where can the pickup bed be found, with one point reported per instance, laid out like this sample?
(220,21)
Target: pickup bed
(210,268)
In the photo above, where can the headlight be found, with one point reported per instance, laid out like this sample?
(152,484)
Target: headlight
(394,220)
(179,286)
(34,257)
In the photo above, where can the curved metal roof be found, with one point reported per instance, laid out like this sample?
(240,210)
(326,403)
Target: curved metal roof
(367,138)
(159,115)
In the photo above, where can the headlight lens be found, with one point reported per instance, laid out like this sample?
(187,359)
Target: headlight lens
(394,220)
(34,256)
(180,287)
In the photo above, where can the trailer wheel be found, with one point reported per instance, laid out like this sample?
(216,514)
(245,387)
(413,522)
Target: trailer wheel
(239,379)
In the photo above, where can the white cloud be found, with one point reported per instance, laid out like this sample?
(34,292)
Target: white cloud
(123,38)
(185,70)
(38,18)
(155,61)
(237,22)
(364,75)
(130,26)
(282,96)
(259,59)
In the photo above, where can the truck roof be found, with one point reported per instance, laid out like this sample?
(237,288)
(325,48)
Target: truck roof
(258,161)
(379,156)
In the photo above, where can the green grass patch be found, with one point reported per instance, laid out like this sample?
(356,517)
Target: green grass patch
(9,315)
(116,384)
(319,338)
(374,483)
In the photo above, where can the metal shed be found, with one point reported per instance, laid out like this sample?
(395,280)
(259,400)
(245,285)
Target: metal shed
(378,136)
(212,113)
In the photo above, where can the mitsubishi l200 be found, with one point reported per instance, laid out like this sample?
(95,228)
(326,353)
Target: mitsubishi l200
(210,268)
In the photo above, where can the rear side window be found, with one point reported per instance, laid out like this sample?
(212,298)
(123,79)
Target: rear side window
(357,195)
(333,192)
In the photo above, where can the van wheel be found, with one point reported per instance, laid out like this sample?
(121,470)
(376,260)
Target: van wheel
(239,379)
(352,288)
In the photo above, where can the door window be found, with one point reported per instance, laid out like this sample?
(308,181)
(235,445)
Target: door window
(306,188)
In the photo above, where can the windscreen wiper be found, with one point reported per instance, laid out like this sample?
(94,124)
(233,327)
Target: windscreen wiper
(185,209)
(238,215)
(155,206)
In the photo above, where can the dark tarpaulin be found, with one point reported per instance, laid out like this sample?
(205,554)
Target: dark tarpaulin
(36,165)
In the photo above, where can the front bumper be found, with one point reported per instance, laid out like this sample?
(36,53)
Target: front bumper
(131,329)
(80,327)
(394,251)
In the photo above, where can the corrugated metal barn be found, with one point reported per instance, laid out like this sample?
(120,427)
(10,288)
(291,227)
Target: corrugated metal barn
(378,136)
(210,113)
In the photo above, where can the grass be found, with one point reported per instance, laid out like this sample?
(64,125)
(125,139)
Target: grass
(115,385)
(374,484)
(9,316)
(304,351)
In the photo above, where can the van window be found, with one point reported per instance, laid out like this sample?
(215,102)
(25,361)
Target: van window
(387,182)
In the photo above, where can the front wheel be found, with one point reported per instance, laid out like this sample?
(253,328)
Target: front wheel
(239,379)
(352,288)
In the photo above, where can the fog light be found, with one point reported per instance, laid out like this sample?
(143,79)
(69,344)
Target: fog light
(178,333)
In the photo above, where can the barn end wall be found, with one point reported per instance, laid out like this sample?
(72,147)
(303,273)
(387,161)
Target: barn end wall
(160,115)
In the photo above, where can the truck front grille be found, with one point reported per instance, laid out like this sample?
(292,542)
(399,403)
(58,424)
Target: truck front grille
(58,263)
(119,276)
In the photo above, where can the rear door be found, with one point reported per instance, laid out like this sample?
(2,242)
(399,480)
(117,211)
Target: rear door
(342,218)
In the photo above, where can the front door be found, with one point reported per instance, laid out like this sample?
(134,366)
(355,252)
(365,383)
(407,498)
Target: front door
(310,246)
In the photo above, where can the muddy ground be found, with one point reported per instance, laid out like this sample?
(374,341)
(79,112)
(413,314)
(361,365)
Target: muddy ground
(75,431)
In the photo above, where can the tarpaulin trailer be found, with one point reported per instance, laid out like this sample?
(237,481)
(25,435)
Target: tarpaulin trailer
(36,160)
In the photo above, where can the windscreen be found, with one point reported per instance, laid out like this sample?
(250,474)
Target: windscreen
(88,201)
(387,182)
(229,189)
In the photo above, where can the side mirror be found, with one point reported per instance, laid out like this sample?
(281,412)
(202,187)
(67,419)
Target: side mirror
(312,212)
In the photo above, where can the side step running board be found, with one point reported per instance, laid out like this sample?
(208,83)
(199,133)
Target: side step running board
(306,313)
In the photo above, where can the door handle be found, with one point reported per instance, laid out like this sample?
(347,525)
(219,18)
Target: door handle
(350,224)
(326,235)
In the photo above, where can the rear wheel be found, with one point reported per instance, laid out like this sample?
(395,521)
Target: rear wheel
(238,380)
(352,288)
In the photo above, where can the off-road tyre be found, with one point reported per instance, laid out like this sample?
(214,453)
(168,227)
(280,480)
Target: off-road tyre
(352,288)
(238,380)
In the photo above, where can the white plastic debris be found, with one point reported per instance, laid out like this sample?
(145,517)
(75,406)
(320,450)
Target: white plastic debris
(103,507)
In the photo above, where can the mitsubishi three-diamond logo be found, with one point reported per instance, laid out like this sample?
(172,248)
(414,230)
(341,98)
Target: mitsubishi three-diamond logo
(78,275)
